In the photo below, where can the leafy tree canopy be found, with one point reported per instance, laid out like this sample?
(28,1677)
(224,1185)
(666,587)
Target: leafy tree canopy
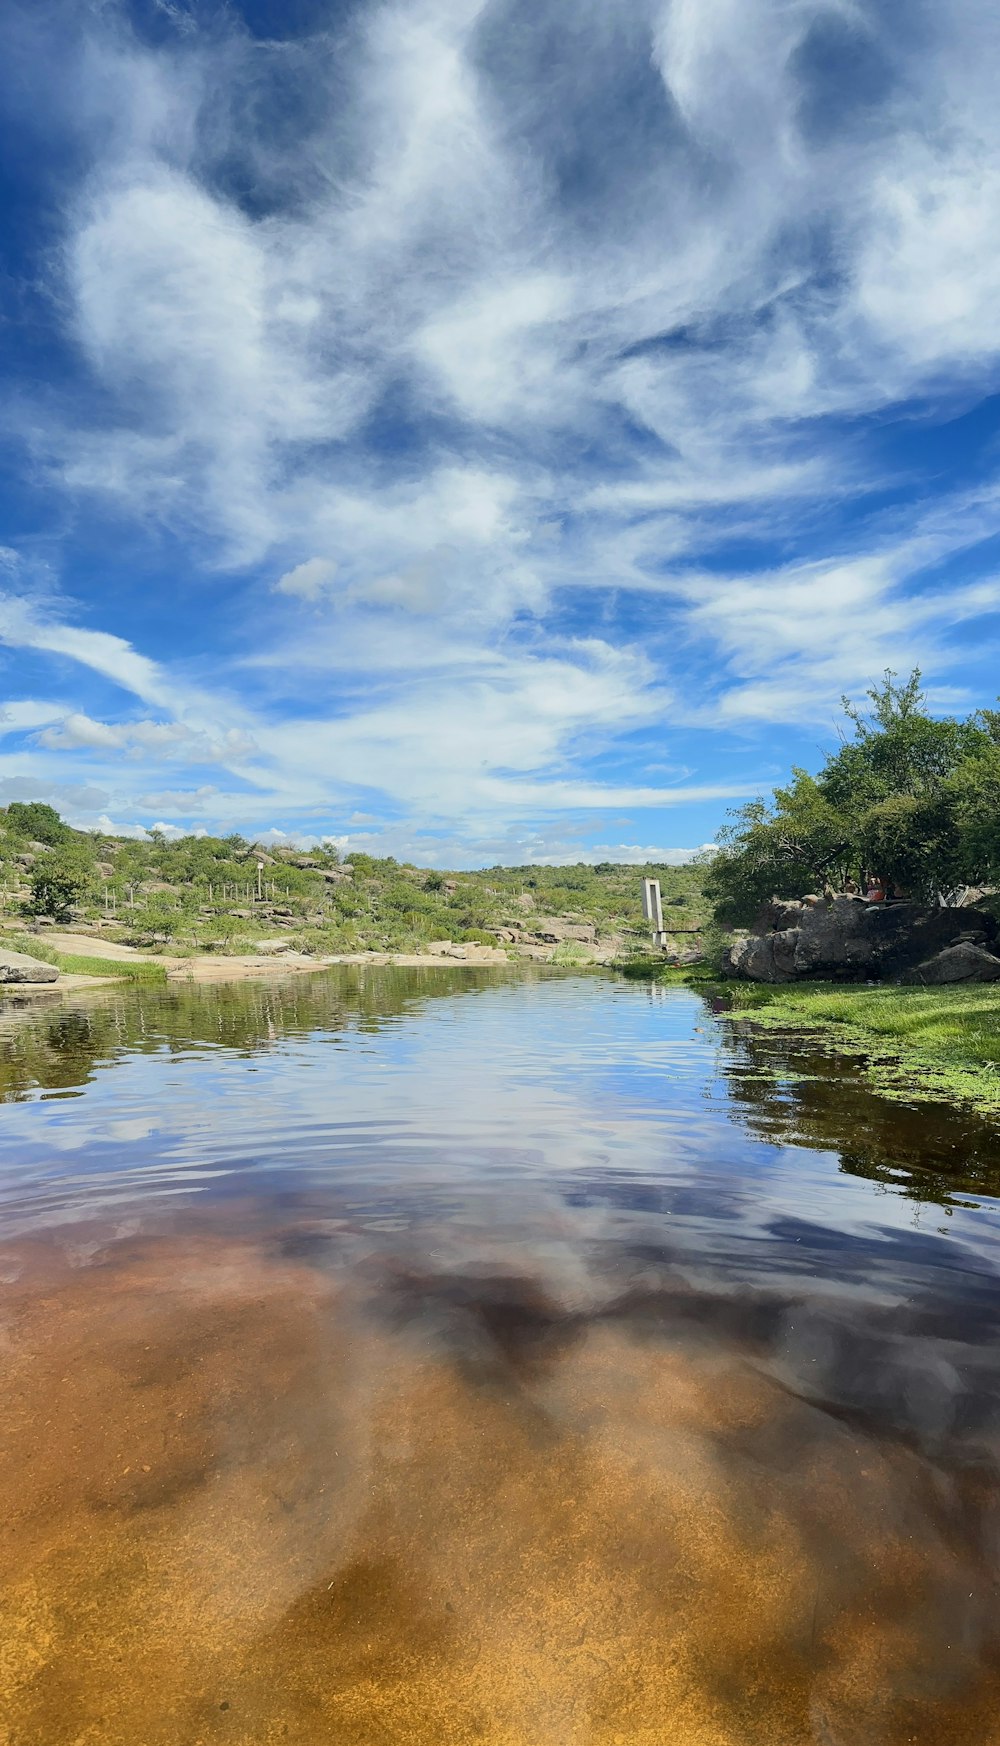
(908,798)
(57,883)
(36,822)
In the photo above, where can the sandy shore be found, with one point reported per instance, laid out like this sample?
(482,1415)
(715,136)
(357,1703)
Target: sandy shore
(216,966)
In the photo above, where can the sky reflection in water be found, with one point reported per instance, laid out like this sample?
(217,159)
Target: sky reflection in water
(508,1241)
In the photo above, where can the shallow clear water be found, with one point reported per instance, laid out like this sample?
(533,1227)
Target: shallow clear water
(430,1356)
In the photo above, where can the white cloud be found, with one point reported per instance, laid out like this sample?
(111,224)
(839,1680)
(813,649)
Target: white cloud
(22,627)
(307,581)
(22,715)
(795,639)
(71,797)
(113,828)
(76,730)
(180,800)
(466,355)
(172,740)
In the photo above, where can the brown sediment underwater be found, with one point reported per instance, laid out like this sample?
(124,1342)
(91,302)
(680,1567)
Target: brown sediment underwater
(250,1497)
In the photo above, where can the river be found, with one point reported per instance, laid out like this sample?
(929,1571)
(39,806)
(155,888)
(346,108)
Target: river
(421,1357)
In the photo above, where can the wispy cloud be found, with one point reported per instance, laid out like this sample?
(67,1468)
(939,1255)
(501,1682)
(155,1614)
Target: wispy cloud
(507,382)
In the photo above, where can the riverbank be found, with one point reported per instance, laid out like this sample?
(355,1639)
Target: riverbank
(85,962)
(940,1043)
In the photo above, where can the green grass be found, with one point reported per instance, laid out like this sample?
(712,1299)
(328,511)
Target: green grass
(940,1042)
(76,964)
(640,966)
(568,953)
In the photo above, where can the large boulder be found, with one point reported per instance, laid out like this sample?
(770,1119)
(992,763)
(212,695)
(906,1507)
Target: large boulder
(847,939)
(18,967)
(466,951)
(963,962)
(552,930)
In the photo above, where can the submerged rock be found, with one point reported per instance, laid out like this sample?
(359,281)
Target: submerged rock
(18,967)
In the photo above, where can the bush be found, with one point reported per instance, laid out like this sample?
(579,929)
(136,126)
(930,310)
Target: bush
(55,888)
(571,952)
(155,923)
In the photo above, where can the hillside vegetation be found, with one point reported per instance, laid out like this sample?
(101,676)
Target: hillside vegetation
(198,893)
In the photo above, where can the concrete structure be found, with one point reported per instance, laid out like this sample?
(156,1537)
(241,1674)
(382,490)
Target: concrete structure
(652,909)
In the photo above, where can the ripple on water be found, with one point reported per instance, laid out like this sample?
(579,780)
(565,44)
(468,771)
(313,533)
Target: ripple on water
(513,1372)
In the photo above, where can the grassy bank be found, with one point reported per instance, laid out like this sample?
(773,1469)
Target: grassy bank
(641,966)
(78,964)
(940,1042)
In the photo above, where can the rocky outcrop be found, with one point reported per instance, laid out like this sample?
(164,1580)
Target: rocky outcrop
(964,962)
(847,939)
(466,951)
(18,967)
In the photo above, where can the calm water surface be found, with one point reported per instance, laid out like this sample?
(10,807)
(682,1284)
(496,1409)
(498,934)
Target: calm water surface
(412,1358)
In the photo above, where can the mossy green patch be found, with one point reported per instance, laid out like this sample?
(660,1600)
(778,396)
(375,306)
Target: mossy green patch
(942,1043)
(642,967)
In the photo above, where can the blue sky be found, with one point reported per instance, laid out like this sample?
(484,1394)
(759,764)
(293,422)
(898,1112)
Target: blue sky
(487,431)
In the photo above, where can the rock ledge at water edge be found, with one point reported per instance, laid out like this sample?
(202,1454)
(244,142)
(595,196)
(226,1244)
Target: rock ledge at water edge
(846,939)
(18,967)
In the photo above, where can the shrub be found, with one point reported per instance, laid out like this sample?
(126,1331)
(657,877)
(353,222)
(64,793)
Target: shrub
(55,888)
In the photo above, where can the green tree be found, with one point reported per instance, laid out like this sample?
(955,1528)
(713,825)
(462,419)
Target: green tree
(907,796)
(784,850)
(974,790)
(912,842)
(36,822)
(898,747)
(56,885)
(154,922)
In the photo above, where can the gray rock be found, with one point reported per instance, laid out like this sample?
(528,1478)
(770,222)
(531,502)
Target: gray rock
(551,930)
(18,967)
(847,939)
(963,962)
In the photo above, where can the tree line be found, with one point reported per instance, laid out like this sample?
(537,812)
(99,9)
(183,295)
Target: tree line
(908,799)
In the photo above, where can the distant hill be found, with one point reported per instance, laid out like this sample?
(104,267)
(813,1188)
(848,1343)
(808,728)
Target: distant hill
(226,893)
